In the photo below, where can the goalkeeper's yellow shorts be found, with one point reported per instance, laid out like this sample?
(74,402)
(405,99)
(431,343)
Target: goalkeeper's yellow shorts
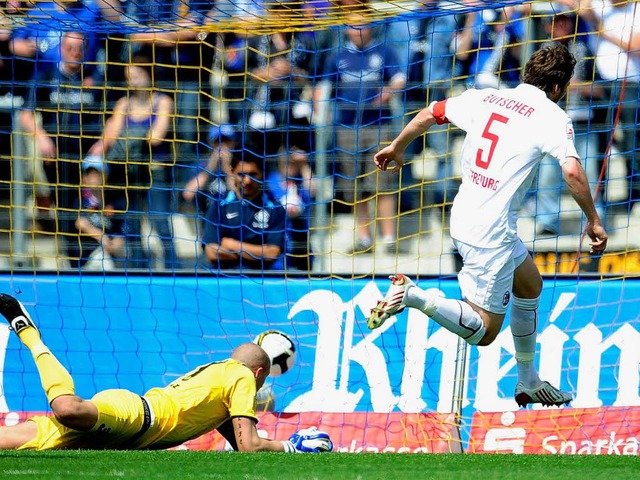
(121,417)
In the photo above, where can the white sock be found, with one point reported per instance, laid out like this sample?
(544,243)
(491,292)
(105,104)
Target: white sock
(524,325)
(456,316)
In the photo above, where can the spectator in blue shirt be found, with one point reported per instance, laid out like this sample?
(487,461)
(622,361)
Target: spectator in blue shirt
(46,22)
(583,107)
(488,47)
(293,186)
(246,228)
(13,83)
(364,74)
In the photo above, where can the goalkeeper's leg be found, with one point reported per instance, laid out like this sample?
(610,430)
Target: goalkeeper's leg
(15,436)
(69,409)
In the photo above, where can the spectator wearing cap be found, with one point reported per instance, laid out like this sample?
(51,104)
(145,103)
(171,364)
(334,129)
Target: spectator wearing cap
(99,226)
(246,228)
(213,175)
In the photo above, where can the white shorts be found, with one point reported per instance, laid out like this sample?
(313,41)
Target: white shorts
(486,277)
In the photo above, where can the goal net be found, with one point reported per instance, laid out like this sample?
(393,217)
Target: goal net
(121,123)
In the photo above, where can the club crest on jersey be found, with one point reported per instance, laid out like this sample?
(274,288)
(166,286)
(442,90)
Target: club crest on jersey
(261,219)
(505,298)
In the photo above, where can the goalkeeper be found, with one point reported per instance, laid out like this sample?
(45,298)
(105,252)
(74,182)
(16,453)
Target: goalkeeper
(218,395)
(508,132)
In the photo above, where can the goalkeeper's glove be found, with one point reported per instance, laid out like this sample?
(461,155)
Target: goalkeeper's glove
(308,440)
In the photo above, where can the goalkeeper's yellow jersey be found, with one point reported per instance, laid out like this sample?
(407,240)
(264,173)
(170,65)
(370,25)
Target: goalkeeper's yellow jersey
(199,402)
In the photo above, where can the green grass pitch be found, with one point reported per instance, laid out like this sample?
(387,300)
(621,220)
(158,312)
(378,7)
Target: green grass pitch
(334,466)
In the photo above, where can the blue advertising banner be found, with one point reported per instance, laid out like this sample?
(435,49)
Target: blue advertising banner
(140,332)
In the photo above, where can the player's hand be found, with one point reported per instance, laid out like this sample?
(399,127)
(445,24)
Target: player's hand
(598,237)
(311,440)
(389,154)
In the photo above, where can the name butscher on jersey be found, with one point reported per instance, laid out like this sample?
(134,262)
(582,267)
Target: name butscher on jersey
(508,132)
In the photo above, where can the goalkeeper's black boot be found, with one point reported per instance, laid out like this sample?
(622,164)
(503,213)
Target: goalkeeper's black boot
(15,313)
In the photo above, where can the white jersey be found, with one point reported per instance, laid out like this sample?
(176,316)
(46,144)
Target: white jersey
(508,132)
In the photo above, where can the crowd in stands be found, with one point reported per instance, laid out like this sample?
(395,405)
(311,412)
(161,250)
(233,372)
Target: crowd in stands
(125,126)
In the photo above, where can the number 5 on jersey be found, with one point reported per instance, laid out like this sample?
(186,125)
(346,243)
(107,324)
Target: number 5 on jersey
(492,137)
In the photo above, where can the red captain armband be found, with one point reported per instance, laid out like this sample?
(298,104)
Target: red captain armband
(437,110)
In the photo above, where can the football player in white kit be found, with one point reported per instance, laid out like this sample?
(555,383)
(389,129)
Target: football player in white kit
(508,132)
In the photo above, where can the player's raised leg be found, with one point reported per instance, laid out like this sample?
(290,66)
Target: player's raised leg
(393,302)
(456,316)
(527,286)
(57,383)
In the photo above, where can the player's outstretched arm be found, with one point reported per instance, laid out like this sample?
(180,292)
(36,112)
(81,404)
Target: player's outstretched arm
(576,179)
(394,152)
(246,438)
(242,435)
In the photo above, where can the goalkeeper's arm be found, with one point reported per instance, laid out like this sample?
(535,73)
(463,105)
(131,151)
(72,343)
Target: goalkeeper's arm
(242,435)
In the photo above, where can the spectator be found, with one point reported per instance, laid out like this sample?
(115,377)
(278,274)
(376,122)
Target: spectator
(488,47)
(100,227)
(213,176)
(137,149)
(246,228)
(280,64)
(239,9)
(11,90)
(431,72)
(230,78)
(34,46)
(618,61)
(293,186)
(584,95)
(71,108)
(183,60)
(40,39)
(364,75)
